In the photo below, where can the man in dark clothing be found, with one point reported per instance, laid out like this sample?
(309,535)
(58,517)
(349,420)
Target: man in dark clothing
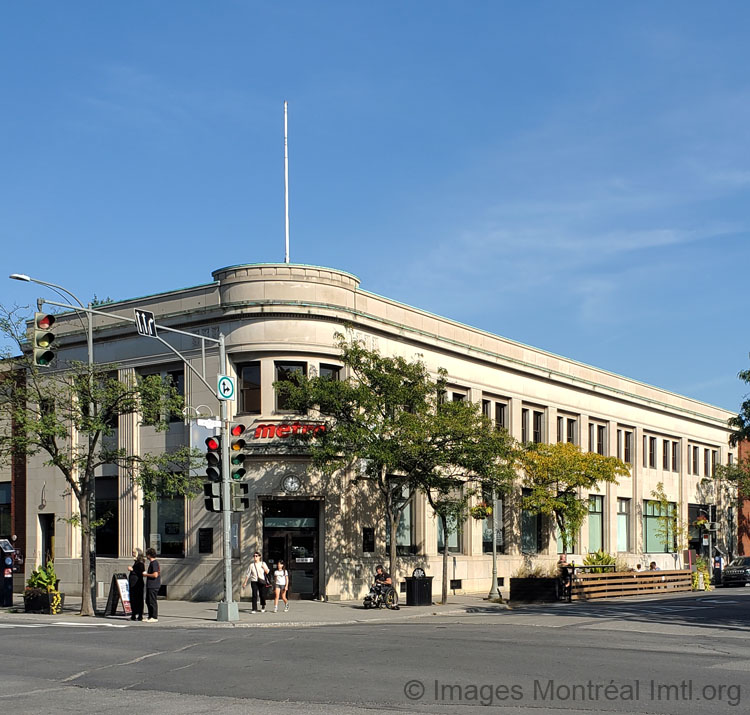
(382,577)
(153,584)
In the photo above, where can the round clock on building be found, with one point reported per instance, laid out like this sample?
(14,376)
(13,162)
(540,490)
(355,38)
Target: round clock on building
(291,484)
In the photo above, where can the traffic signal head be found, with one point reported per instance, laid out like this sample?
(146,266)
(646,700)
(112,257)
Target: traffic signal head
(237,452)
(240,498)
(43,339)
(212,494)
(213,457)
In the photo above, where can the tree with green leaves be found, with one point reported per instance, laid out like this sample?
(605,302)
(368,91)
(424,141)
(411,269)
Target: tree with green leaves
(387,423)
(69,413)
(740,424)
(460,454)
(671,529)
(560,477)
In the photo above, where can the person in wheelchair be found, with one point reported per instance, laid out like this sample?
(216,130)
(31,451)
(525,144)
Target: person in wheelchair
(382,578)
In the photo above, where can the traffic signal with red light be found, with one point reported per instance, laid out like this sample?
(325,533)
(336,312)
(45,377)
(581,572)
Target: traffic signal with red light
(237,452)
(43,339)
(213,457)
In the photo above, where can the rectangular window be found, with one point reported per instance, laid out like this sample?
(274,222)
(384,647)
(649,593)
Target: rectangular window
(706,463)
(454,539)
(645,451)
(330,372)
(592,437)
(659,527)
(249,374)
(498,513)
(696,461)
(5,525)
(730,460)
(405,541)
(666,452)
(538,426)
(164,526)
(500,416)
(652,447)
(285,372)
(177,378)
(487,409)
(601,439)
(107,508)
(458,397)
(524,426)
(623,525)
(628,447)
(572,430)
(531,530)
(675,456)
(596,523)
(714,459)
(560,428)
(619,444)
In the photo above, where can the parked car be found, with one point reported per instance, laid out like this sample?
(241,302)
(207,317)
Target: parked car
(737,573)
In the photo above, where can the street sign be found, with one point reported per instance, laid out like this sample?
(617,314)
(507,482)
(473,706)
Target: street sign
(145,323)
(225,387)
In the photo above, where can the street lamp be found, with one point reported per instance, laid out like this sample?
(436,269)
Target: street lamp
(90,346)
(494,594)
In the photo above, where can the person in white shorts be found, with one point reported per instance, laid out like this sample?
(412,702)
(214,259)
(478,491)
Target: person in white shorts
(281,586)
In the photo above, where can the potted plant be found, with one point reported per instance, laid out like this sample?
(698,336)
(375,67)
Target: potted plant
(41,594)
(480,511)
(538,584)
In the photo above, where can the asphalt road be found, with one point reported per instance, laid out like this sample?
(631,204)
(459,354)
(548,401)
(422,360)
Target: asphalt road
(688,654)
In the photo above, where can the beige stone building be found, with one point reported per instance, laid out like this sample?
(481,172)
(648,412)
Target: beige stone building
(278,318)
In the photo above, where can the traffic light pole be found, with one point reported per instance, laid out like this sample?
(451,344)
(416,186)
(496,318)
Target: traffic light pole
(226,610)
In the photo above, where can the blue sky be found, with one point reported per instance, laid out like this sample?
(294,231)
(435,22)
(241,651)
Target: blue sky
(571,175)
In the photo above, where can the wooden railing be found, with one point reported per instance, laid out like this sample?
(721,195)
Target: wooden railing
(587,586)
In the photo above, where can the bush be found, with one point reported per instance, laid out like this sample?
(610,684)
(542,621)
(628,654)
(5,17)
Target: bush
(597,558)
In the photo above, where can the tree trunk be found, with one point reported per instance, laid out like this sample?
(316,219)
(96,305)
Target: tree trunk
(87,607)
(444,522)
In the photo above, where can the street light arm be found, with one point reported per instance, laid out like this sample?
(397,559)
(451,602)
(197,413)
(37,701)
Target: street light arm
(24,277)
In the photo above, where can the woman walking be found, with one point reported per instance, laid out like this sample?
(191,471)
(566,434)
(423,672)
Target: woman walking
(281,586)
(135,585)
(256,573)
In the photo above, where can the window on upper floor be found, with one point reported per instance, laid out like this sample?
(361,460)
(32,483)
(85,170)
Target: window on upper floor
(285,372)
(572,433)
(496,411)
(538,435)
(524,425)
(174,378)
(665,454)
(675,456)
(652,449)
(250,390)
(330,372)
(597,438)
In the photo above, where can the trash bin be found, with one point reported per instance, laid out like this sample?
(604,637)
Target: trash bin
(418,589)
(7,556)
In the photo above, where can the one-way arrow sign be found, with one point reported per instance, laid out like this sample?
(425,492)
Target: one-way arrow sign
(145,323)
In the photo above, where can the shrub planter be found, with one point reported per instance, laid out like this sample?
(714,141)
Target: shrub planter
(534,590)
(42,602)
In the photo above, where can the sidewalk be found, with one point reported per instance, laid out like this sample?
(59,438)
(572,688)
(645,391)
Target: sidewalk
(301,614)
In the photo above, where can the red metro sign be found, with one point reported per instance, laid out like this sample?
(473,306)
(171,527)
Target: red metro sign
(286,429)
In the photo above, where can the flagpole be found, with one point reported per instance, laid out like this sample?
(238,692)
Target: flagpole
(286,184)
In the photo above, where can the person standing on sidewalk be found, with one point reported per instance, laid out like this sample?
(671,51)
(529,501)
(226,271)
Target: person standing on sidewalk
(153,584)
(256,574)
(135,585)
(281,586)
